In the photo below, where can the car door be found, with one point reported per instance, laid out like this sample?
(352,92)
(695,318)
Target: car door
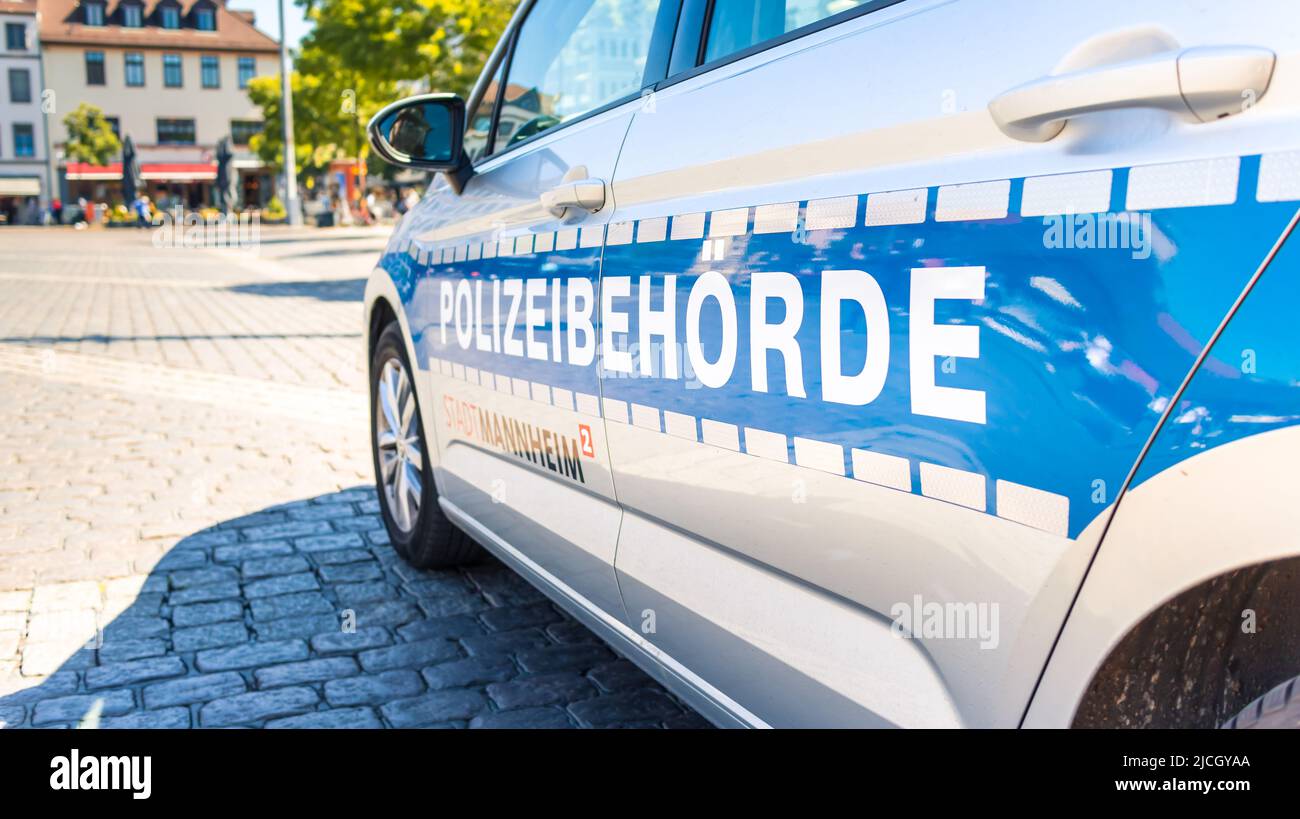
(504,311)
(882,340)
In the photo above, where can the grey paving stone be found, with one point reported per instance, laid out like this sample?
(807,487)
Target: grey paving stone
(467,673)
(204,540)
(445,606)
(290,605)
(350,572)
(327,542)
(204,594)
(198,688)
(506,642)
(564,658)
(352,594)
(333,718)
(12,715)
(435,707)
(385,614)
(73,708)
(136,628)
(293,529)
(547,689)
(186,640)
(133,671)
(408,655)
(619,675)
(287,628)
(239,552)
(307,671)
(117,651)
(361,523)
(323,511)
(285,584)
(251,655)
(199,577)
(344,642)
(256,706)
(58,684)
(202,614)
(432,586)
(456,626)
(167,718)
(571,632)
(273,566)
(615,709)
(373,689)
(183,559)
(342,556)
(523,718)
(517,617)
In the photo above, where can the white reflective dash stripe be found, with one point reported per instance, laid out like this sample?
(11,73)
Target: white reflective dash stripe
(1033,507)
(616,410)
(562,398)
(782,217)
(720,434)
(544,242)
(458,371)
(489,250)
(652,230)
(471,375)
(505,384)
(646,417)
(619,233)
(444,366)
(524,244)
(728,222)
(766,444)
(592,236)
(953,485)
(475,251)
(412,250)
(587,404)
(421,256)
(688,226)
(1183,184)
(542,392)
(824,214)
(487,379)
(896,207)
(1067,193)
(879,468)
(461,253)
(821,455)
(977,200)
(522,388)
(566,239)
(679,425)
(1279,177)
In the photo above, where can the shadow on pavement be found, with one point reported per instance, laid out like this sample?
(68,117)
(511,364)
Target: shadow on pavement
(329,290)
(301,615)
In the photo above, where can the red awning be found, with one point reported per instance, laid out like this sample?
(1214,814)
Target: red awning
(159,171)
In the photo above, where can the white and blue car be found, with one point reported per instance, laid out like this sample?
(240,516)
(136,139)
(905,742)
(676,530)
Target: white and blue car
(884,363)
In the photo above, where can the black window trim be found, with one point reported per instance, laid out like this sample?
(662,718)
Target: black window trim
(665,26)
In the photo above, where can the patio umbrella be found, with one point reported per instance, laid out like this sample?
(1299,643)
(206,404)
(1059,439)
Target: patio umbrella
(226,189)
(131,181)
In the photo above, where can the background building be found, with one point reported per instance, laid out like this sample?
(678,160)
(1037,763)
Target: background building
(171,74)
(24,169)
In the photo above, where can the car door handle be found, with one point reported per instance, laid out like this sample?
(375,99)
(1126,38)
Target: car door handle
(585,194)
(1199,84)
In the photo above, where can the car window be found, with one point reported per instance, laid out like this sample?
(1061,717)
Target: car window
(739,24)
(478,125)
(573,56)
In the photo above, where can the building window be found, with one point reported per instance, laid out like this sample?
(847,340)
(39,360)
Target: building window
(211,70)
(172,71)
(134,69)
(94,68)
(242,129)
(24,139)
(247,70)
(175,132)
(16,36)
(133,15)
(205,19)
(116,125)
(171,17)
(94,14)
(20,85)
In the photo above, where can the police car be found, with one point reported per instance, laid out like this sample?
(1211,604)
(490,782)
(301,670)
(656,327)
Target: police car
(888,363)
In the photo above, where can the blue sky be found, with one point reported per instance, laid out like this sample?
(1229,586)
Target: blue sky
(268,19)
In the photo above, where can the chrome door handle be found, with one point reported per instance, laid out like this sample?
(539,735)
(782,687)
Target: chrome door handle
(1199,84)
(577,194)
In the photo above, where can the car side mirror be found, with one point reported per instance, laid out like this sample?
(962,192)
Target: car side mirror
(421,132)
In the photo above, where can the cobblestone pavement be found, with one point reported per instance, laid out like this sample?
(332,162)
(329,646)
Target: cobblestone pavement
(187,534)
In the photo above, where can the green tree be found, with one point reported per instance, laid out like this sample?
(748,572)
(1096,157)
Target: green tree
(90,137)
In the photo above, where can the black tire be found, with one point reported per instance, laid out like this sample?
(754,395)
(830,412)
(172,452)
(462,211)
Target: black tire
(433,541)
(1279,708)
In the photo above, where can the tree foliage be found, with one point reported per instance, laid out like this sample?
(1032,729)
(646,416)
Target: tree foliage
(362,55)
(90,136)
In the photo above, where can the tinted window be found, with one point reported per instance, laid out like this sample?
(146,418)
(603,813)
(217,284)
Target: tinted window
(132,16)
(739,24)
(176,131)
(15,36)
(172,70)
(94,68)
(247,70)
(210,69)
(24,142)
(20,85)
(573,56)
(134,61)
